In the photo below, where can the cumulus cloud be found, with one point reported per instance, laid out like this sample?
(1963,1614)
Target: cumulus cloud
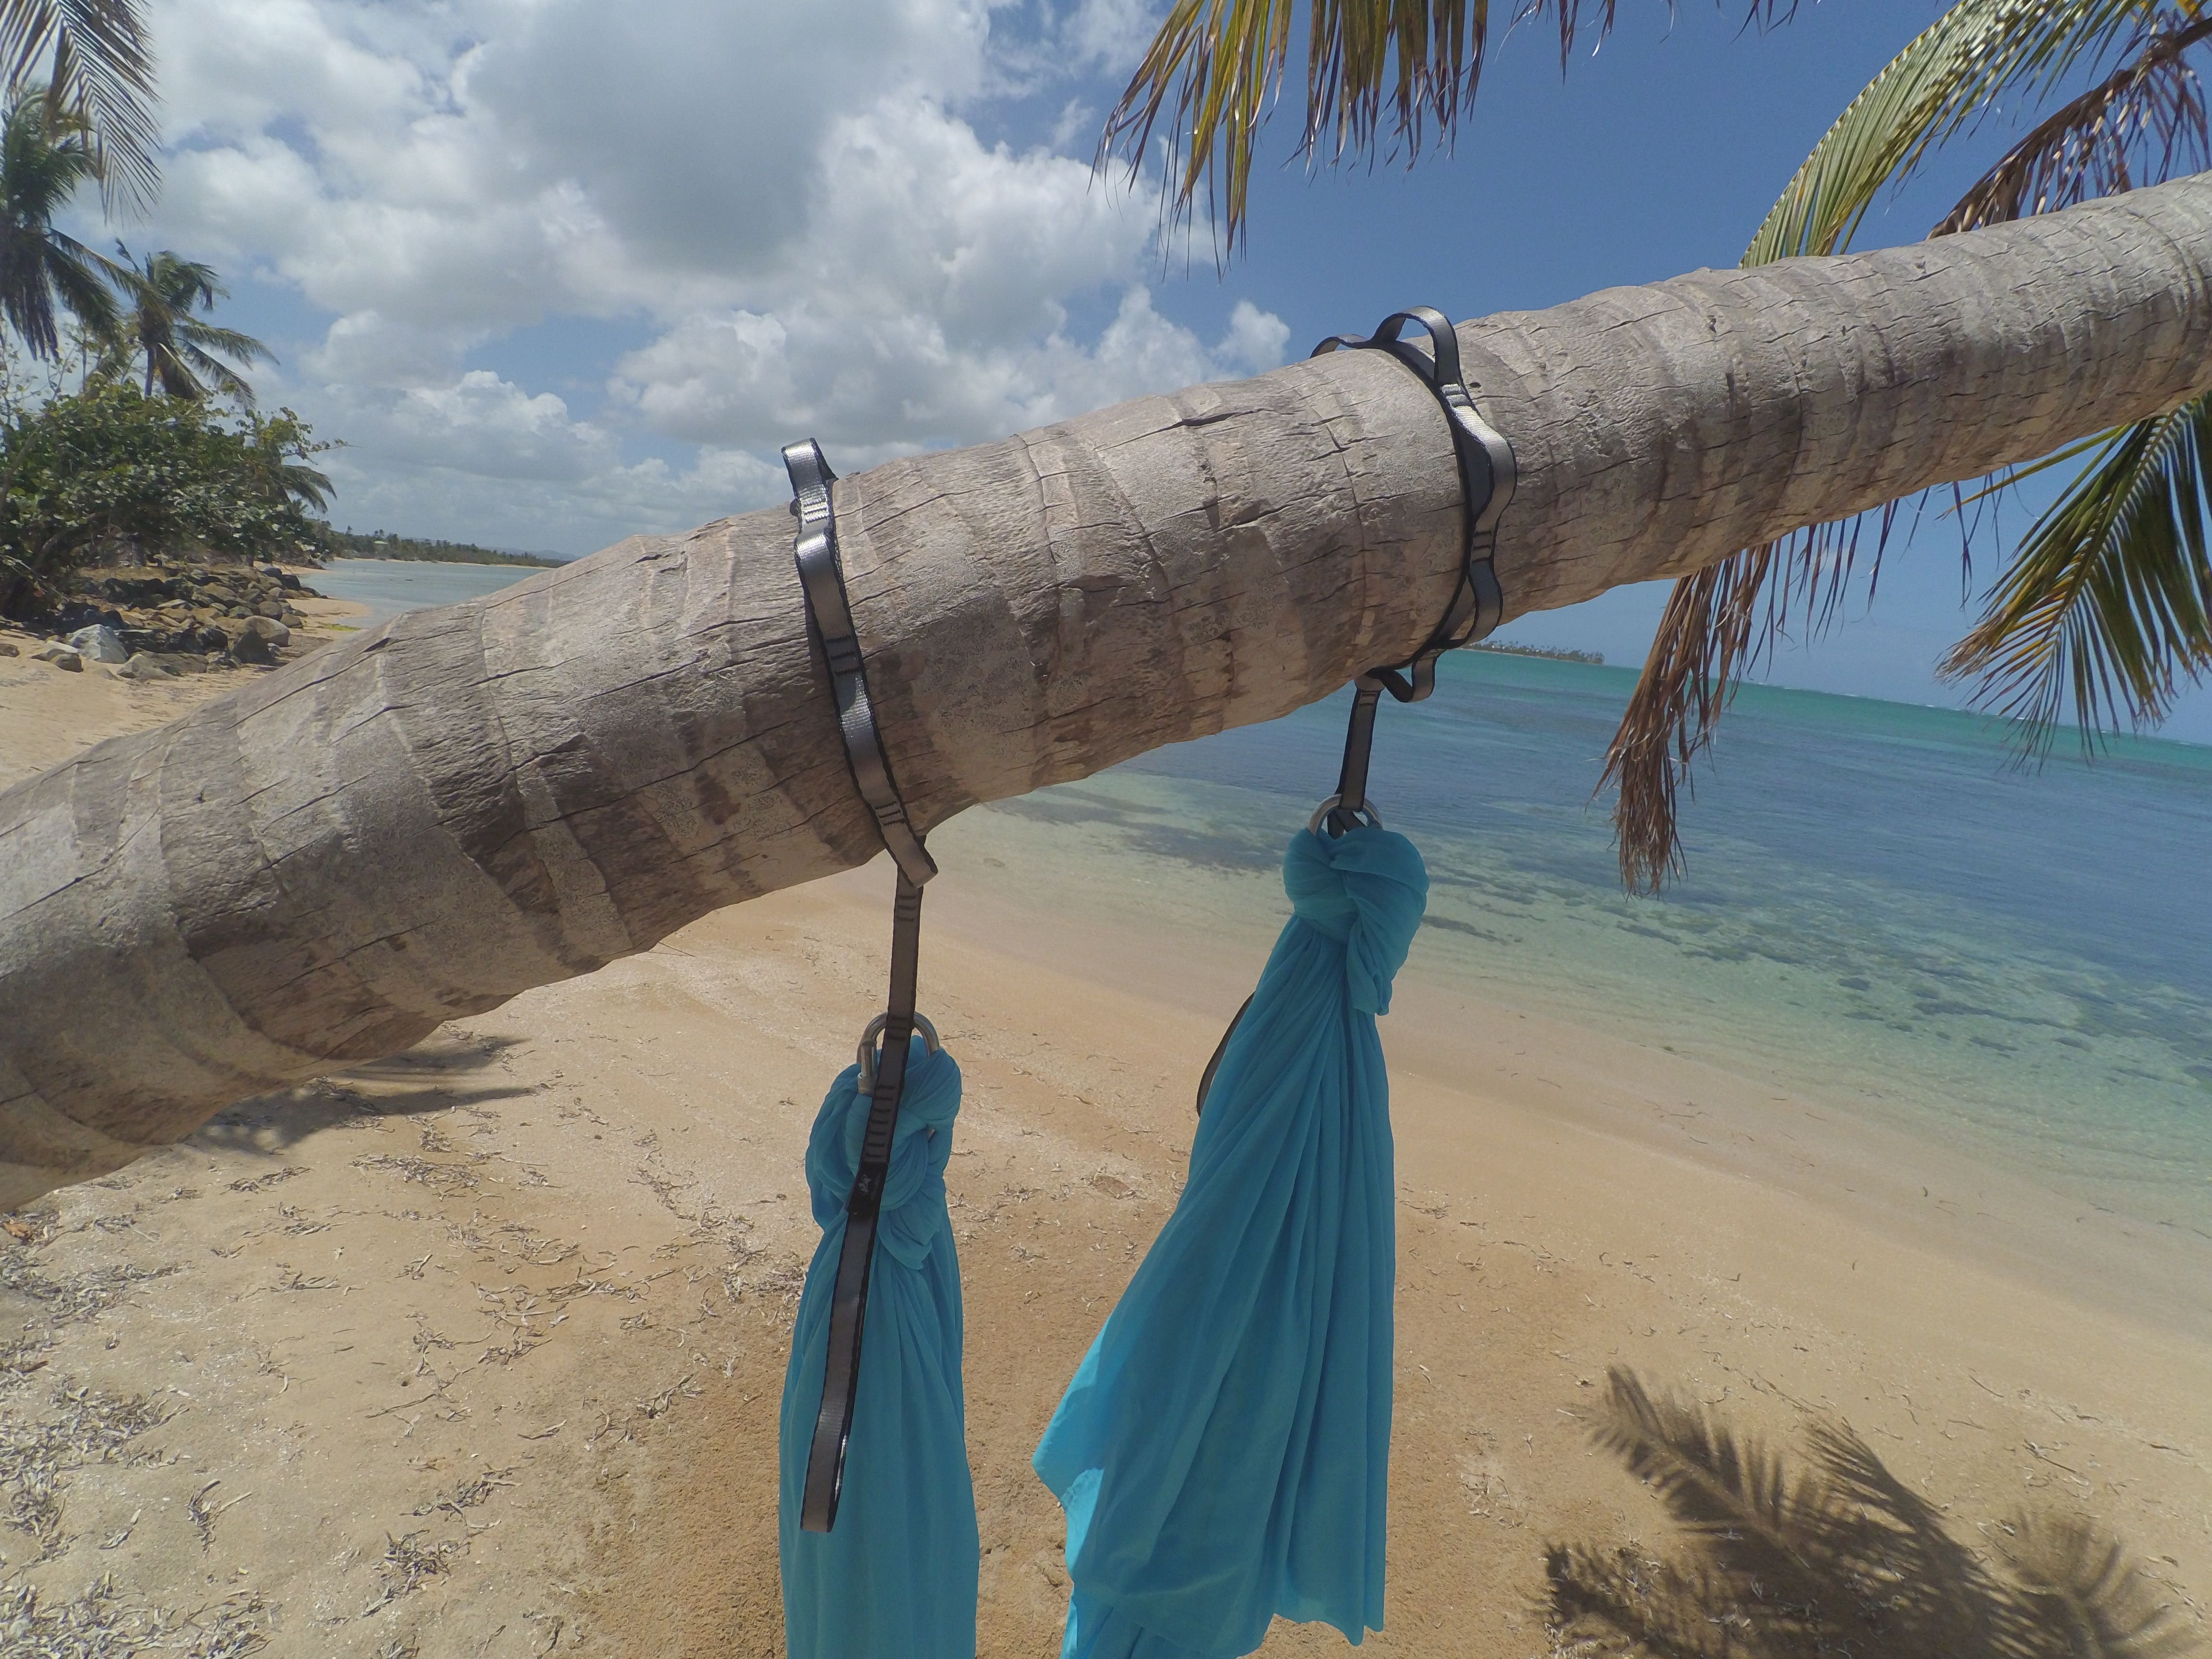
(788,209)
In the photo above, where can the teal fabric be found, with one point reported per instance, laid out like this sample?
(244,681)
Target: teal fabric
(1224,1451)
(896,1578)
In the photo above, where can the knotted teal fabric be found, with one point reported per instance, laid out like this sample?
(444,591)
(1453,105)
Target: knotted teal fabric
(1224,1451)
(896,1576)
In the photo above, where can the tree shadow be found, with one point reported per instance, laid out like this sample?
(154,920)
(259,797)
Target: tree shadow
(429,1078)
(1839,1559)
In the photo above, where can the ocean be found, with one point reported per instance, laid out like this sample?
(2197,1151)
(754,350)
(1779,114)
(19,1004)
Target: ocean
(388,587)
(1882,909)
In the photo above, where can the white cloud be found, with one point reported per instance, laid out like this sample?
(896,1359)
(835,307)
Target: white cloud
(791,201)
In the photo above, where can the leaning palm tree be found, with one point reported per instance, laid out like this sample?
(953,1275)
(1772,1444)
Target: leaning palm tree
(431,818)
(92,62)
(163,291)
(43,159)
(2105,610)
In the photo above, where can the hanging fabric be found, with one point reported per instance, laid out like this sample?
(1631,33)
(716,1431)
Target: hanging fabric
(876,1511)
(1222,1452)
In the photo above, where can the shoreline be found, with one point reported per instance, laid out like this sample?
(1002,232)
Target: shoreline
(478,1349)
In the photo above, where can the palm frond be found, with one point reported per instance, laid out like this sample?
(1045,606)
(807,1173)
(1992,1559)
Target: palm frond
(2151,110)
(95,56)
(1224,61)
(217,373)
(1976,56)
(2143,120)
(2108,602)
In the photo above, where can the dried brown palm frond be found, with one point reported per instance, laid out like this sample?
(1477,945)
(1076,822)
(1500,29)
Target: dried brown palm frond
(1840,1557)
(2152,107)
(1719,625)
(2143,121)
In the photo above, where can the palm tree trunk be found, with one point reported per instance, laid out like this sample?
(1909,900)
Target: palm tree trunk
(420,823)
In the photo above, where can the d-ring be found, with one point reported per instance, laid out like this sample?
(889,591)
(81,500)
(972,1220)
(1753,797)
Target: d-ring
(1367,810)
(868,1046)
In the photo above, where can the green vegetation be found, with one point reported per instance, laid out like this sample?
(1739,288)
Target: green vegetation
(1549,653)
(108,472)
(352,545)
(126,429)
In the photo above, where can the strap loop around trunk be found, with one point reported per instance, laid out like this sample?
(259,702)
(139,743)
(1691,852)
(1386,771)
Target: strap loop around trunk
(1485,476)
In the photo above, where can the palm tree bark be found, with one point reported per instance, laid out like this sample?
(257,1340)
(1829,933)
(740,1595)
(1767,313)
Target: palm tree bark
(422,823)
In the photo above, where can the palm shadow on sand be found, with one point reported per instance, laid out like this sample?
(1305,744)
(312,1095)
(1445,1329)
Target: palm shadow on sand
(436,1075)
(1837,1560)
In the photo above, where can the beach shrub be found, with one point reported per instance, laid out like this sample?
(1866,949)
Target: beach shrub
(106,471)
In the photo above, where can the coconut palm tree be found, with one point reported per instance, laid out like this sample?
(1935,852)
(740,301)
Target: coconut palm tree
(2105,609)
(92,61)
(43,158)
(430,819)
(162,292)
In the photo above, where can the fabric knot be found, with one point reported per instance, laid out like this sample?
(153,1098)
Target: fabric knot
(921,1146)
(1366,888)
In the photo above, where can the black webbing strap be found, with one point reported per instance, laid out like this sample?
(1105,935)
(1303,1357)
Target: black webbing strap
(1485,478)
(827,607)
(1486,481)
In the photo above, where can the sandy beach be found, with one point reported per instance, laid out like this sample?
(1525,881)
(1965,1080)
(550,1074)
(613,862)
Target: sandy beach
(477,1350)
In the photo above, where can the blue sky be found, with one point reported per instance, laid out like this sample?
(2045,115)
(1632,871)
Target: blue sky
(558,272)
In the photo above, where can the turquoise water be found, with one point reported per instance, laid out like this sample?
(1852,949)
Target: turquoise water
(388,587)
(1880,910)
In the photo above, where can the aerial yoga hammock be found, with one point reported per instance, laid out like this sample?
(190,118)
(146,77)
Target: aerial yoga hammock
(1222,1451)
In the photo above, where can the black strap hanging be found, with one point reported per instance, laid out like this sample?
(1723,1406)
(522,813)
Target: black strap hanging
(823,579)
(1478,603)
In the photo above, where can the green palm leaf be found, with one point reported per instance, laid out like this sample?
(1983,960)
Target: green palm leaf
(2108,601)
(2145,116)
(96,59)
(1979,54)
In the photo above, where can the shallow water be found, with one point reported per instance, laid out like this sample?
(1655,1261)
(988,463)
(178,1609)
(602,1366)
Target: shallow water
(1881,909)
(388,587)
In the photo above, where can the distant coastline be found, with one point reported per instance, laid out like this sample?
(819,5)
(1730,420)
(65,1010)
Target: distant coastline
(1549,653)
(377,544)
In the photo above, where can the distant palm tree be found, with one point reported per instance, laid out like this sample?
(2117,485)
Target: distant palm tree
(93,60)
(44,156)
(163,291)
